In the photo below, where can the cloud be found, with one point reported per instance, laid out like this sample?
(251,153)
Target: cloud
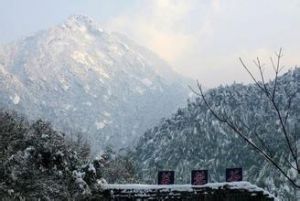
(163,26)
(203,39)
(199,38)
(216,4)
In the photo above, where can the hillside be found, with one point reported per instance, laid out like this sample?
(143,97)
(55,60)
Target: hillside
(193,139)
(82,78)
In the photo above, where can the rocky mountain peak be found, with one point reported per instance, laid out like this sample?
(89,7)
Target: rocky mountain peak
(82,22)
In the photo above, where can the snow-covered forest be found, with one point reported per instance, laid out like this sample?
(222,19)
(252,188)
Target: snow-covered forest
(193,138)
(39,162)
(101,100)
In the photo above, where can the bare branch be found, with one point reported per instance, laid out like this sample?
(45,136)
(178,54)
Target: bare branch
(249,72)
(272,98)
(285,133)
(273,64)
(260,68)
(239,132)
(290,99)
(264,146)
(243,130)
(277,69)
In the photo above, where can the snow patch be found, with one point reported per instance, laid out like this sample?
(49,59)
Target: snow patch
(92,168)
(15,99)
(68,106)
(147,82)
(116,50)
(86,88)
(106,114)
(44,136)
(101,72)
(64,84)
(88,103)
(100,125)
(139,90)
(187,187)
(101,181)
(82,57)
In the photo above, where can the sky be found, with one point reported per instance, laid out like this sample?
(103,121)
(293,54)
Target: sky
(201,39)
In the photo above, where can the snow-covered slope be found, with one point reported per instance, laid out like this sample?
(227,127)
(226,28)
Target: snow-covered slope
(192,138)
(80,77)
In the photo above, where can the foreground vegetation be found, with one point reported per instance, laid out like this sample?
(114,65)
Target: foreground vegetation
(39,163)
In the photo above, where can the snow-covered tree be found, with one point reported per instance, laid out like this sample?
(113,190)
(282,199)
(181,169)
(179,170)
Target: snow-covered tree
(120,168)
(278,106)
(39,163)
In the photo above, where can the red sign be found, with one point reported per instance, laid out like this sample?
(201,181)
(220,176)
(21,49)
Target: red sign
(166,177)
(234,174)
(199,177)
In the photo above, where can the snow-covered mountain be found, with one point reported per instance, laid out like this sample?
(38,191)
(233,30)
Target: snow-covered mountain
(80,77)
(193,138)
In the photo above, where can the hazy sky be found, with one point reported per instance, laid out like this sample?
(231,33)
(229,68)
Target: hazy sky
(201,39)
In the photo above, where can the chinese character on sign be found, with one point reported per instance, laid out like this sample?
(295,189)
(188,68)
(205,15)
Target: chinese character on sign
(234,174)
(199,177)
(165,177)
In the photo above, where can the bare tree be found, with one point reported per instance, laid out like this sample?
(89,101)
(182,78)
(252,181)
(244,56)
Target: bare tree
(280,111)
